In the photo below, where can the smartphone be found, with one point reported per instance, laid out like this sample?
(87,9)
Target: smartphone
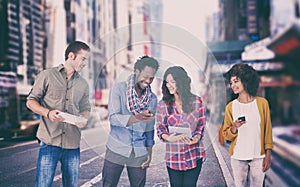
(242,118)
(151,112)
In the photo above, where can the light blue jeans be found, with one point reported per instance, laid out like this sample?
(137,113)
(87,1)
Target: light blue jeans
(248,169)
(47,162)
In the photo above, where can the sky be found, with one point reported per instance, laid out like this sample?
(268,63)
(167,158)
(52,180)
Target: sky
(188,14)
(184,38)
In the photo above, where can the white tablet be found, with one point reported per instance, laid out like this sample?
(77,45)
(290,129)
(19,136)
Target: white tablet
(69,118)
(180,130)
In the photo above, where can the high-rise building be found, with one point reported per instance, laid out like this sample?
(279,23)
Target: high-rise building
(21,54)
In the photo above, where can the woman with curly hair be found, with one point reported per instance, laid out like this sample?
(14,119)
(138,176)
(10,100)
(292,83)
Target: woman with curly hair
(247,123)
(180,109)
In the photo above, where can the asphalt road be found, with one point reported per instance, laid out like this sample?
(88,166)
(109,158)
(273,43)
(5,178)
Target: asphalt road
(18,162)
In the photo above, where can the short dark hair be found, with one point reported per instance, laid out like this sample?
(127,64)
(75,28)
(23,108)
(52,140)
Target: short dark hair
(248,75)
(144,61)
(75,47)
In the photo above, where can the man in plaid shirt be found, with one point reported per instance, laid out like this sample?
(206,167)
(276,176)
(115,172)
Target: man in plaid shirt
(131,107)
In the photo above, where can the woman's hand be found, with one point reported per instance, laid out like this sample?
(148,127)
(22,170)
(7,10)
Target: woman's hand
(174,137)
(267,161)
(183,137)
(236,124)
(193,140)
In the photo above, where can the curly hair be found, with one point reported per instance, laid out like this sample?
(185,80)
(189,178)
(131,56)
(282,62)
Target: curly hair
(144,61)
(183,84)
(248,75)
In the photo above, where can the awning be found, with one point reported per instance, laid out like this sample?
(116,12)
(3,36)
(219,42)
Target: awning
(258,51)
(286,44)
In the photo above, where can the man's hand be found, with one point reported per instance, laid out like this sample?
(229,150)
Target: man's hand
(146,164)
(80,124)
(54,116)
(145,116)
(85,115)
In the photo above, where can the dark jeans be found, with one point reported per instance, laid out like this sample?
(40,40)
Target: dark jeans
(114,165)
(186,178)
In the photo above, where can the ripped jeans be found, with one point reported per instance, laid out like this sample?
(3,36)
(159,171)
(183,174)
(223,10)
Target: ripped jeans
(248,169)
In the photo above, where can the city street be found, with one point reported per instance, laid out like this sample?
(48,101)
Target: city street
(18,162)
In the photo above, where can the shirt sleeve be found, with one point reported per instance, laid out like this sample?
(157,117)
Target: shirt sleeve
(268,126)
(200,119)
(115,105)
(161,124)
(228,122)
(84,104)
(150,126)
(39,88)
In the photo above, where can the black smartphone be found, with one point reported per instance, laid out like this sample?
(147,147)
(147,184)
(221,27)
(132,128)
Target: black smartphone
(151,112)
(242,118)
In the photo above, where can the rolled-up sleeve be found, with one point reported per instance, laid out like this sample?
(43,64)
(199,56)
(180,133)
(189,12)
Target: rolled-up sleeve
(84,104)
(150,125)
(39,88)
(115,107)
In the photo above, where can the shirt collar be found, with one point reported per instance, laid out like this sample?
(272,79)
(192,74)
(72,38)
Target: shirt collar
(61,67)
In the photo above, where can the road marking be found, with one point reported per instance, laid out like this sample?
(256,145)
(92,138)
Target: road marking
(58,177)
(93,181)
(18,145)
(88,148)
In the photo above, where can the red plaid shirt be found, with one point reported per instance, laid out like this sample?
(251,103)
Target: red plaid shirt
(180,156)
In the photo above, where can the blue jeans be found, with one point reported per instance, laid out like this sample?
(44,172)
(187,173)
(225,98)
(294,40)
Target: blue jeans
(47,162)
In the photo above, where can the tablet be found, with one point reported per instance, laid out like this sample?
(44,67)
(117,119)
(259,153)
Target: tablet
(69,118)
(180,130)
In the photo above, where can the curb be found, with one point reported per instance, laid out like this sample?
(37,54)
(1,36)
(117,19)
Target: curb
(225,170)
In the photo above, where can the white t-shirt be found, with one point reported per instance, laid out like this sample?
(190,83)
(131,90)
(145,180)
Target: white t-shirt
(248,143)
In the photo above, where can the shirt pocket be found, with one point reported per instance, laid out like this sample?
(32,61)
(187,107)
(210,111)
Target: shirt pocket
(56,94)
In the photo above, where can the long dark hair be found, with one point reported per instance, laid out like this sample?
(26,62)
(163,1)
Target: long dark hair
(183,84)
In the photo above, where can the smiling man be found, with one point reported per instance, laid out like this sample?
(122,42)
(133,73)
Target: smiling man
(131,107)
(61,89)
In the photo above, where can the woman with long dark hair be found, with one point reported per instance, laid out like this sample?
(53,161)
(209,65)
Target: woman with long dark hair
(180,124)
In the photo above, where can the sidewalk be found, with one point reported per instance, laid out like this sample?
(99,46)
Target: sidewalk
(221,156)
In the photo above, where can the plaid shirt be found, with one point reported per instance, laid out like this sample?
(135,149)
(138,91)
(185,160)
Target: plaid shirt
(180,156)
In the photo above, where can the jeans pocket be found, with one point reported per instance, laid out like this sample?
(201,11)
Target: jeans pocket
(43,145)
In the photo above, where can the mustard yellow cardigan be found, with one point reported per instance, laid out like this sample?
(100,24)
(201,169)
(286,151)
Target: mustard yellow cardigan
(265,126)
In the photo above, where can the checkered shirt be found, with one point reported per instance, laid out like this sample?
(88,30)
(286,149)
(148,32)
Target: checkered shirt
(180,156)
